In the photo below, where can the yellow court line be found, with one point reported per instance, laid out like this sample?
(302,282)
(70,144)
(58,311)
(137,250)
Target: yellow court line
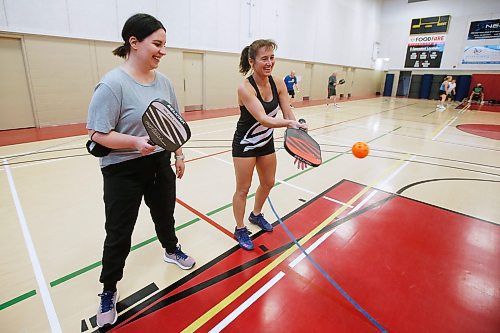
(440,128)
(254,279)
(448,122)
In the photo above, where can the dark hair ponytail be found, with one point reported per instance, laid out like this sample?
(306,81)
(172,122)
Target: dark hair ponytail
(244,63)
(249,52)
(140,26)
(122,51)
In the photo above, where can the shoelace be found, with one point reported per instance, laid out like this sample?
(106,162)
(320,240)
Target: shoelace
(244,234)
(179,254)
(260,219)
(106,301)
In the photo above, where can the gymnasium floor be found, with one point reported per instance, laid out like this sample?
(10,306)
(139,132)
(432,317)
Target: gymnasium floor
(411,233)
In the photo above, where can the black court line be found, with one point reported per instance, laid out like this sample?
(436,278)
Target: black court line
(418,155)
(205,284)
(450,142)
(127,302)
(406,187)
(425,115)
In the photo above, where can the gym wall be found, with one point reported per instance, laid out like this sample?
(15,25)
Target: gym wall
(61,73)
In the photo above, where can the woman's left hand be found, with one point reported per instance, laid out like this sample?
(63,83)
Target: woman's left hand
(179,168)
(300,165)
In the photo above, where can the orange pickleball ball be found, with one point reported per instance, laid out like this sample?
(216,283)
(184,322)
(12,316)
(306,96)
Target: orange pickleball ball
(360,149)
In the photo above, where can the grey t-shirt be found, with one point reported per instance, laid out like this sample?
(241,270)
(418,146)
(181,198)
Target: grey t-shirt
(118,104)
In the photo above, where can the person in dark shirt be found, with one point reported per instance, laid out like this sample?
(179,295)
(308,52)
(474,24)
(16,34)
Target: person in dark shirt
(477,93)
(332,86)
(260,98)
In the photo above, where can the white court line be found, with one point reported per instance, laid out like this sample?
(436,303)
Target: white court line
(64,145)
(33,163)
(326,235)
(245,305)
(212,132)
(277,180)
(444,128)
(382,184)
(311,248)
(336,201)
(42,285)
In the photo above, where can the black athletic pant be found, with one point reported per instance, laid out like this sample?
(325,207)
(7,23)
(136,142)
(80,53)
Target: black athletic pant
(124,186)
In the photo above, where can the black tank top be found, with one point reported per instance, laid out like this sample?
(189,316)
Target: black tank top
(250,137)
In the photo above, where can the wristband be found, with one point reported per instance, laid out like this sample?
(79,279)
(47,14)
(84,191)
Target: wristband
(179,157)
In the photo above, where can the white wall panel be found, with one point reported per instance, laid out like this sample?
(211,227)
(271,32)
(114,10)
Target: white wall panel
(296,23)
(94,19)
(127,8)
(175,16)
(3,16)
(329,31)
(203,29)
(42,17)
(227,35)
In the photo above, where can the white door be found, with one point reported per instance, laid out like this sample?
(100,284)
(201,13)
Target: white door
(349,82)
(193,81)
(306,82)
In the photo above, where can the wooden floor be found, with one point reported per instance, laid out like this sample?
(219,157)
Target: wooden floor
(411,233)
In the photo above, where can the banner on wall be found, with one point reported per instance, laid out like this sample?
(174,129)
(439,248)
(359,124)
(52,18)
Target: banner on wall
(486,29)
(430,25)
(425,51)
(483,54)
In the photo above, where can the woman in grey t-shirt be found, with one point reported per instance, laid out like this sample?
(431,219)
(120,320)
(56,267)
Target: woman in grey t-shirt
(134,168)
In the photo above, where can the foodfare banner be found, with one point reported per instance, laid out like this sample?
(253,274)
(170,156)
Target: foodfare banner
(425,51)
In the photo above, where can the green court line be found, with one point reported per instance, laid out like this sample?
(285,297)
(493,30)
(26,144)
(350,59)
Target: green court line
(99,263)
(144,243)
(152,239)
(17,299)
(78,272)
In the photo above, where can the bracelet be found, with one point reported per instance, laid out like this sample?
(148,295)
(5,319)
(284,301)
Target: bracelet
(179,157)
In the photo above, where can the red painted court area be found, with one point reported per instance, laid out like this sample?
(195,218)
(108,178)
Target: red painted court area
(412,266)
(481,107)
(484,130)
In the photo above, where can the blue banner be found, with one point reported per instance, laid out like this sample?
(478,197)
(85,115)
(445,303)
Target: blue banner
(484,54)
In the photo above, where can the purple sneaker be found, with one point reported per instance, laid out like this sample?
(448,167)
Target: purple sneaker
(260,221)
(242,237)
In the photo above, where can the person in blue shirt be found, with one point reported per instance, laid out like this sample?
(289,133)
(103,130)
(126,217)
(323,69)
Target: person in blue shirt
(444,90)
(290,82)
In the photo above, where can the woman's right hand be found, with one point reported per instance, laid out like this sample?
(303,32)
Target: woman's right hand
(143,145)
(295,124)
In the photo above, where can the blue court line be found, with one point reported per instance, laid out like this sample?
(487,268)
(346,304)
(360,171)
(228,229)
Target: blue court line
(325,274)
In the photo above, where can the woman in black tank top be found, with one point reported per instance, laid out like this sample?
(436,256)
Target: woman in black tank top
(260,99)
(251,139)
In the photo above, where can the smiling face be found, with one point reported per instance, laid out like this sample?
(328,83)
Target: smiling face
(151,49)
(263,63)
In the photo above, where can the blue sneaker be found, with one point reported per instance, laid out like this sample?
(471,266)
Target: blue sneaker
(242,237)
(106,313)
(260,221)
